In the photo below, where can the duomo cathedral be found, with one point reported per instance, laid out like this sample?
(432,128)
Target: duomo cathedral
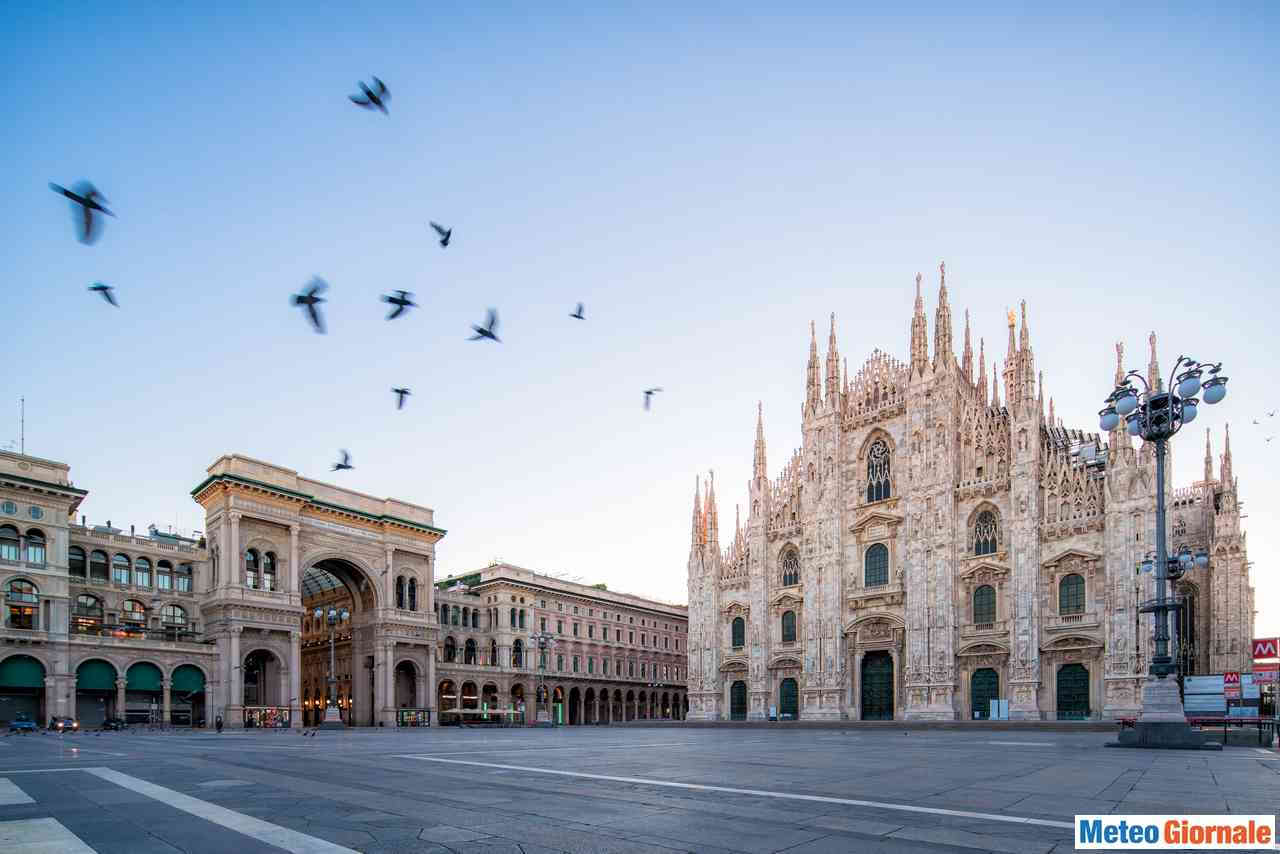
(938,543)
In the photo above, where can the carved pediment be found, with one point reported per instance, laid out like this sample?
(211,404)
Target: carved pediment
(984,649)
(984,572)
(1070,555)
(787,599)
(736,609)
(1073,642)
(871,521)
(781,661)
(733,664)
(892,620)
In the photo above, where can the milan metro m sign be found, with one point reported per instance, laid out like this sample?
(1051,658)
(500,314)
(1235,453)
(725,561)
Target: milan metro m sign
(1266,648)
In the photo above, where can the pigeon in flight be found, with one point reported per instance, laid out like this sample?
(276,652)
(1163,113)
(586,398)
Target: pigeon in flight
(401,394)
(345,464)
(89,200)
(104,291)
(1272,413)
(373,99)
(311,299)
(1269,438)
(489,330)
(648,397)
(402,301)
(445,233)
(578,313)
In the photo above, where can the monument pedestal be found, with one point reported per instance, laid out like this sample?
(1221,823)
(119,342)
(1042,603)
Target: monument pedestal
(332,719)
(1163,723)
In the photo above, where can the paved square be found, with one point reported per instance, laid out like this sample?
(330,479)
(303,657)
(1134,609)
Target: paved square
(598,789)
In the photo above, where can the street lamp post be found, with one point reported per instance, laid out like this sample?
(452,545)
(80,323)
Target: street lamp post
(333,616)
(1155,414)
(544,641)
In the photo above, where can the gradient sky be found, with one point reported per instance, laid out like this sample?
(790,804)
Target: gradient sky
(706,183)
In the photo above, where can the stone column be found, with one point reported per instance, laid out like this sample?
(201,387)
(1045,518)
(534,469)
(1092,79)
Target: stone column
(389,677)
(295,678)
(390,586)
(295,571)
(899,701)
(235,684)
(120,701)
(52,702)
(233,558)
(165,701)
(429,699)
(855,683)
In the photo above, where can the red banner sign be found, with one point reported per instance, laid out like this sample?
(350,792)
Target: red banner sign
(1231,684)
(1266,648)
(1265,674)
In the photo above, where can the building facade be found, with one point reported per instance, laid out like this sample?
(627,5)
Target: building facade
(157,628)
(610,656)
(932,547)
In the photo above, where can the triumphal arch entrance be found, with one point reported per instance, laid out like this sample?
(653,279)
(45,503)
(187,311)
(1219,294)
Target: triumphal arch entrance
(281,546)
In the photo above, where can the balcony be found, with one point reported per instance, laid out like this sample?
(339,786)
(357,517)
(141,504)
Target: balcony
(1071,622)
(999,628)
(879,595)
(126,633)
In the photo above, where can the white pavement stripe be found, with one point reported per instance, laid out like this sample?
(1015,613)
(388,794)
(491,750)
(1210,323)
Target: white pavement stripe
(1024,743)
(41,770)
(791,796)
(264,831)
(11,794)
(40,836)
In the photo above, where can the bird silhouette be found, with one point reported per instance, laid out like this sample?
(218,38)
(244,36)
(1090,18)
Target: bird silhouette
(1272,413)
(375,98)
(578,313)
(1269,438)
(311,299)
(1256,421)
(445,233)
(401,394)
(648,396)
(489,330)
(345,464)
(402,302)
(89,203)
(104,291)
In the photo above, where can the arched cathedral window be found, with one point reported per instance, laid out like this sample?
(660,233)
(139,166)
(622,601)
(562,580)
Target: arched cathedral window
(985,534)
(876,570)
(878,471)
(790,567)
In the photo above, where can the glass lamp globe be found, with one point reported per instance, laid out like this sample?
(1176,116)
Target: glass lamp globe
(1202,560)
(1185,558)
(1215,390)
(1108,418)
(1148,565)
(1134,427)
(1189,384)
(1126,402)
(1189,411)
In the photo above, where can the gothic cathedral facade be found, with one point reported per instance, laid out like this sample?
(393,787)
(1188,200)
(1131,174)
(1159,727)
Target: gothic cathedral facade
(931,548)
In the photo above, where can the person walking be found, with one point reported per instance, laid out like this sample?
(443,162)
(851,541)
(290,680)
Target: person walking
(217,723)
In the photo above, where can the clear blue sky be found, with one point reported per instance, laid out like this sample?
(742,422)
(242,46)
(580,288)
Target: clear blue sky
(706,183)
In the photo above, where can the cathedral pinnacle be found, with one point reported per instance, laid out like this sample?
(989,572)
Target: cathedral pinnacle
(1119,362)
(698,538)
(967,363)
(1153,367)
(712,515)
(1225,476)
(1024,337)
(761,471)
(982,371)
(995,385)
(1208,457)
(943,353)
(919,335)
(833,366)
(813,385)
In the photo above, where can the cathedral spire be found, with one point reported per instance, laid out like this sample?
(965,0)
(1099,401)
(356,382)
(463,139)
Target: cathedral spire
(943,353)
(1119,362)
(1153,367)
(813,385)
(697,511)
(1024,336)
(1208,457)
(967,363)
(1052,421)
(995,385)
(845,390)
(833,366)
(1011,365)
(982,371)
(761,471)
(1225,477)
(713,516)
(919,334)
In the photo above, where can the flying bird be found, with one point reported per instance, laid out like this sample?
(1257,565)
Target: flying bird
(104,291)
(489,330)
(401,394)
(89,201)
(1269,438)
(445,233)
(345,464)
(648,397)
(375,98)
(578,313)
(1272,413)
(402,302)
(311,299)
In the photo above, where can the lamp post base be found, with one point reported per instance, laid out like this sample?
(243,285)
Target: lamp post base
(1163,723)
(332,719)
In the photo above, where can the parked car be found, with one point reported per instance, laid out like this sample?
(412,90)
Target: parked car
(22,723)
(114,723)
(64,725)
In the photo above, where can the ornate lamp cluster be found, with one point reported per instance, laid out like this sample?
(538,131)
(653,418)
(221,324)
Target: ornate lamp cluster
(1177,565)
(333,616)
(1154,413)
